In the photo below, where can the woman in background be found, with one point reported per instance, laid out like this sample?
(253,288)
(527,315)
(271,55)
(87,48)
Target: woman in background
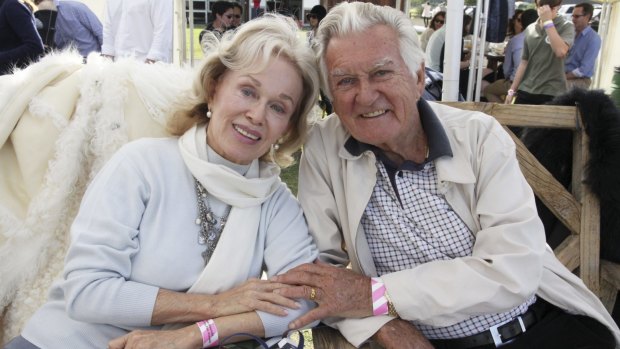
(438,21)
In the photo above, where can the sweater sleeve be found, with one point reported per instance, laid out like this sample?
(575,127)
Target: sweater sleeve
(98,265)
(21,21)
(287,245)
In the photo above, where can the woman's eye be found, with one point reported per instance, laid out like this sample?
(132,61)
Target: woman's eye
(278,108)
(247,92)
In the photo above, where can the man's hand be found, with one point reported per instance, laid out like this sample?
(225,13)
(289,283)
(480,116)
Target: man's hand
(545,13)
(401,334)
(337,291)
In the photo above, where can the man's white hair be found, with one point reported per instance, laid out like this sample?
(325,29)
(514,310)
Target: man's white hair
(355,17)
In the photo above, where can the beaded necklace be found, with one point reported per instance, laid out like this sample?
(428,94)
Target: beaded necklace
(211,225)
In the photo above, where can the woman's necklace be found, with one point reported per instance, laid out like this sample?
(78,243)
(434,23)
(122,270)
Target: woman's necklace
(211,225)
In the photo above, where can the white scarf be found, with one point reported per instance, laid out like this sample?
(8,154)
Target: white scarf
(245,195)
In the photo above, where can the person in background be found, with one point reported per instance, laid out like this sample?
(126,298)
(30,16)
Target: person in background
(496,92)
(178,230)
(76,25)
(426,13)
(20,44)
(314,17)
(141,29)
(540,75)
(437,22)
(237,14)
(428,206)
(514,26)
(46,14)
(222,14)
(435,52)
(579,66)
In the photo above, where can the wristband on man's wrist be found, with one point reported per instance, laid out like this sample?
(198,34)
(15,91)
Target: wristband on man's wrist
(548,24)
(511,92)
(381,302)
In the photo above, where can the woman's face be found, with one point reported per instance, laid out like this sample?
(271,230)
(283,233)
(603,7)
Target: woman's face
(226,18)
(518,24)
(314,20)
(439,21)
(250,112)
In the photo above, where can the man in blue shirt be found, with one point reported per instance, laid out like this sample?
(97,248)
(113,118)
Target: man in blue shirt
(579,66)
(77,25)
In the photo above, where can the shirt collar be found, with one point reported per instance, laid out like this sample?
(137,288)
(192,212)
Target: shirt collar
(438,143)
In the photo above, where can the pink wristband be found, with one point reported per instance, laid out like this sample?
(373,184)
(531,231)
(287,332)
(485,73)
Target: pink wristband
(379,302)
(208,330)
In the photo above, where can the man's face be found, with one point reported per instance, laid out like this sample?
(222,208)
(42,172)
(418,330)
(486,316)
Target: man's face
(236,21)
(580,20)
(374,92)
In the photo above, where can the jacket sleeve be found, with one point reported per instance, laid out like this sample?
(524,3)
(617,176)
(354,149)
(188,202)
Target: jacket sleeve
(318,202)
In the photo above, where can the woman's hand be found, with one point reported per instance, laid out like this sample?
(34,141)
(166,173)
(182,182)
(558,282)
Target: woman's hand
(252,295)
(188,337)
(337,291)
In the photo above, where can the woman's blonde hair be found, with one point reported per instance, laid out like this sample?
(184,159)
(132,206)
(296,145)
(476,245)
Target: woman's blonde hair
(250,49)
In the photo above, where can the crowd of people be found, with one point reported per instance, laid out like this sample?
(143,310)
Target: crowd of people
(141,29)
(413,227)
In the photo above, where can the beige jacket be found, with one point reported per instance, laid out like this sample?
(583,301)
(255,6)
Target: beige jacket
(484,185)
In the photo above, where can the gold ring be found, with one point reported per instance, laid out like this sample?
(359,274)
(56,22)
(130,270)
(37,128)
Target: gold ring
(312,294)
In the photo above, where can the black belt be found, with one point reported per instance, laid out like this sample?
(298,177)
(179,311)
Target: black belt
(496,335)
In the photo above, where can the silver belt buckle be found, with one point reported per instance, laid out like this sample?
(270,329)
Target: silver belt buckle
(497,337)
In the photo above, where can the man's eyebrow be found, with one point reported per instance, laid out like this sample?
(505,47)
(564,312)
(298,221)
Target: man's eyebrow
(382,63)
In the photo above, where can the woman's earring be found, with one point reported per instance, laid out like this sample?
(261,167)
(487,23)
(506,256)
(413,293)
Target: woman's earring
(209,114)
(276,146)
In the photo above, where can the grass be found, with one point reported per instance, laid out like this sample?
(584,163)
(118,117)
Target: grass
(289,176)
(197,49)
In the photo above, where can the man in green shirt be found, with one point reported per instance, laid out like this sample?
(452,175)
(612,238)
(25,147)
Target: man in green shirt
(540,75)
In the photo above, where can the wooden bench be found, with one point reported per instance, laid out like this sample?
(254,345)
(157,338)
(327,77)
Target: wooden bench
(577,209)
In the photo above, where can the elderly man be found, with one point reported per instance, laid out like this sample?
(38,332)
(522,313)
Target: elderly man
(579,65)
(428,205)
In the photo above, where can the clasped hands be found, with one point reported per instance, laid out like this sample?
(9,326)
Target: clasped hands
(341,292)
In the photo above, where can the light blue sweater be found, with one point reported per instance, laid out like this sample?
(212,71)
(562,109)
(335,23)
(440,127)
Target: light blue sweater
(135,233)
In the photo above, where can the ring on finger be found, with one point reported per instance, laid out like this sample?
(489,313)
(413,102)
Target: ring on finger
(312,293)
